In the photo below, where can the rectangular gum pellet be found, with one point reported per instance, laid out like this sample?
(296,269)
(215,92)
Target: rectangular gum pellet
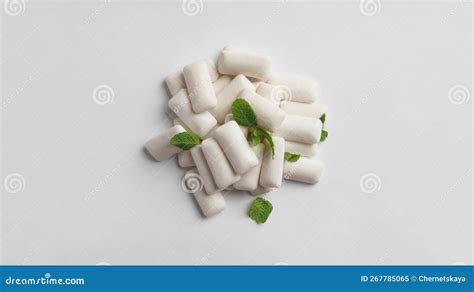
(185,159)
(300,129)
(308,150)
(228,94)
(222,172)
(204,170)
(160,148)
(175,81)
(272,167)
(235,146)
(249,180)
(200,123)
(220,83)
(234,61)
(302,89)
(269,115)
(304,170)
(199,85)
(209,204)
(261,191)
(230,117)
(177,121)
(311,110)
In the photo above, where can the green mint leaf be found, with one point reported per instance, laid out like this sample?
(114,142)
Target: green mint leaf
(255,137)
(260,210)
(267,136)
(243,113)
(324,135)
(185,140)
(323,118)
(291,157)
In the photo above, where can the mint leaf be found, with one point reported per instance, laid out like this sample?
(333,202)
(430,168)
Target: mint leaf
(255,137)
(185,140)
(291,157)
(324,135)
(260,210)
(243,113)
(323,118)
(267,136)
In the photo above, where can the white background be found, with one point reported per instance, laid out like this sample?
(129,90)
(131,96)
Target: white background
(396,76)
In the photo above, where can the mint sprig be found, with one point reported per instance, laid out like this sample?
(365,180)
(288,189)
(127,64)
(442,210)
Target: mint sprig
(324,135)
(185,140)
(244,115)
(292,157)
(265,135)
(323,118)
(260,209)
(255,138)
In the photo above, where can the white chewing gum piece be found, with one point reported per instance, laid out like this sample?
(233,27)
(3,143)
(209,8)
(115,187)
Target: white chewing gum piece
(272,167)
(209,204)
(230,117)
(175,82)
(177,121)
(222,172)
(228,94)
(256,84)
(212,69)
(203,169)
(249,180)
(199,123)
(160,148)
(304,170)
(199,84)
(300,129)
(220,83)
(302,89)
(308,150)
(185,159)
(269,115)
(311,110)
(234,61)
(235,146)
(261,191)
